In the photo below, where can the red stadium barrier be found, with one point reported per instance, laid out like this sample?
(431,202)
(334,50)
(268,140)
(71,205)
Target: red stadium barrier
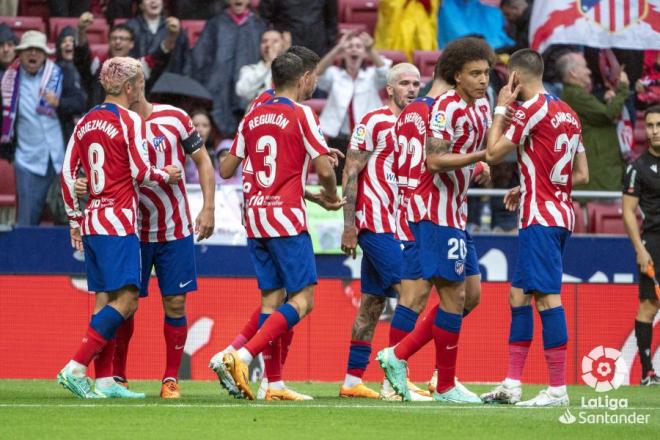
(42,319)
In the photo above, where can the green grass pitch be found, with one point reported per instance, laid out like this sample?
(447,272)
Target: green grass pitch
(42,409)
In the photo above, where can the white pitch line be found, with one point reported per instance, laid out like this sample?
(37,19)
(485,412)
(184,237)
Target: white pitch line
(396,407)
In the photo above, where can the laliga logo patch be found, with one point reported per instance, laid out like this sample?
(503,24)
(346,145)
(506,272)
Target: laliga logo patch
(360,133)
(159,143)
(604,369)
(439,121)
(459,267)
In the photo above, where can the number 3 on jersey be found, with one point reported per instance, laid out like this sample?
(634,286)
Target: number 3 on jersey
(96,157)
(267,145)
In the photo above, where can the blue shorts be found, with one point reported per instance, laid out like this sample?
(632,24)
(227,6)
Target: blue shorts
(412,268)
(175,266)
(472,258)
(382,259)
(283,262)
(540,252)
(442,251)
(112,262)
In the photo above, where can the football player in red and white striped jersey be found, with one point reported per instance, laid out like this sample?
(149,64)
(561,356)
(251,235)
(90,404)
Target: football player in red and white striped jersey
(274,209)
(551,158)
(370,188)
(109,144)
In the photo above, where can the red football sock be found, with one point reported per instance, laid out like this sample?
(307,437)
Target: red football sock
(249,330)
(175,340)
(421,335)
(517,356)
(286,340)
(274,327)
(92,345)
(273,360)
(103,362)
(446,350)
(122,337)
(556,360)
(396,335)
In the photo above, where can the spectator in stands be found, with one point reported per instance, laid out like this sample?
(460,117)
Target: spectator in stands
(598,127)
(229,41)
(32,87)
(255,78)
(353,89)
(312,23)
(648,86)
(150,31)
(7,54)
(517,14)
(121,41)
(68,8)
(202,122)
(74,98)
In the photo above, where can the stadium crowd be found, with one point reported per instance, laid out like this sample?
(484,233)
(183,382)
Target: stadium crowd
(230,56)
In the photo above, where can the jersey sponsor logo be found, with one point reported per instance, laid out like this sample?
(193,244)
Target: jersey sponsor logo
(360,133)
(439,121)
(159,143)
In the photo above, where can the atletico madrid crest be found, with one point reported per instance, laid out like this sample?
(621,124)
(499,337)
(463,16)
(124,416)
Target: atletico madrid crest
(614,15)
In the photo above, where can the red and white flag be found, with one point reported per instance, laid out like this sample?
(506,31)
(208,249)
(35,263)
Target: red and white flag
(632,24)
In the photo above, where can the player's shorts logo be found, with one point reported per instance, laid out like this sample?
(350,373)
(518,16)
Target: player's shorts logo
(360,134)
(459,267)
(159,143)
(604,369)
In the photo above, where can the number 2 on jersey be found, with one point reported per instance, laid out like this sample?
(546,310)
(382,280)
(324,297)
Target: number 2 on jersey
(96,157)
(568,146)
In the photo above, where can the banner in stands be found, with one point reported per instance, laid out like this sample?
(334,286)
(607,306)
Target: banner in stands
(42,319)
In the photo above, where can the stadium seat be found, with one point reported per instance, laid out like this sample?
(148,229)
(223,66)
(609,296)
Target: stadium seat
(606,218)
(194,28)
(97,32)
(350,27)
(395,55)
(316,104)
(580,219)
(34,8)
(359,11)
(425,61)
(21,24)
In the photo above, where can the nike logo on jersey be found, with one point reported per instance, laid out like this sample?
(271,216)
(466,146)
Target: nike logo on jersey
(182,285)
(451,347)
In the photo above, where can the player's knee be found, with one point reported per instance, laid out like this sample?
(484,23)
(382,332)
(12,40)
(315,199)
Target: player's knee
(647,310)
(175,306)
(517,297)
(547,301)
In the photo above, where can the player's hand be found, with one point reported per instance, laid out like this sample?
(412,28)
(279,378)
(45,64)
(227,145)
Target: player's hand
(334,156)
(76,239)
(330,202)
(643,260)
(205,223)
(512,199)
(174,173)
(85,20)
(508,93)
(484,177)
(349,241)
(80,187)
(173,25)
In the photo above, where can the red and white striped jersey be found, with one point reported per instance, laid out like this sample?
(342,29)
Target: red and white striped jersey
(264,96)
(464,126)
(549,134)
(376,200)
(164,212)
(277,140)
(109,144)
(410,130)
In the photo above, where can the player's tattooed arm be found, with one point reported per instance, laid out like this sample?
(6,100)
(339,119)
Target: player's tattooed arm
(371,307)
(439,159)
(356,160)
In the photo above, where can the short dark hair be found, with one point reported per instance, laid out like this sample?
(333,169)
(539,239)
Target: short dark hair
(458,53)
(286,70)
(528,60)
(309,58)
(651,110)
(122,27)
